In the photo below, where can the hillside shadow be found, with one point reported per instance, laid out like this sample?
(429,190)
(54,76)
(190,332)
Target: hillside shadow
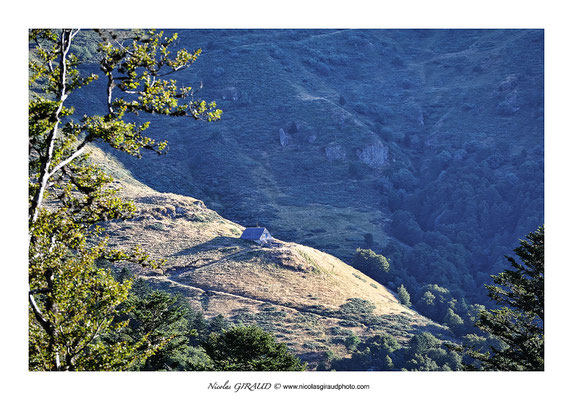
(215,243)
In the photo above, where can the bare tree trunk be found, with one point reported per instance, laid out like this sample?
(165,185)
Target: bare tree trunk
(46,159)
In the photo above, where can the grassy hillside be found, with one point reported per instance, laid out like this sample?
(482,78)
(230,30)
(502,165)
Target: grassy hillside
(431,141)
(308,299)
(355,106)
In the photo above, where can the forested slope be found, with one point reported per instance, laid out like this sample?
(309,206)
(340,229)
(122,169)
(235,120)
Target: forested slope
(426,143)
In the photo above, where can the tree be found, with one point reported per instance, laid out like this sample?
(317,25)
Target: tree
(73,302)
(453,320)
(249,348)
(351,341)
(404,296)
(76,303)
(405,228)
(518,325)
(161,320)
(427,353)
(378,353)
(427,304)
(374,265)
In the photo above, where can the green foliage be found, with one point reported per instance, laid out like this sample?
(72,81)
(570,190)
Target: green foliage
(155,330)
(452,319)
(351,341)
(518,325)
(435,302)
(357,308)
(249,348)
(374,353)
(71,307)
(404,296)
(427,353)
(73,303)
(405,227)
(166,322)
(424,352)
(216,325)
(426,301)
(374,265)
(403,179)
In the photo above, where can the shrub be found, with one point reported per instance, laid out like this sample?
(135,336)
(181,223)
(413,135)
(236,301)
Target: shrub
(357,307)
(351,341)
(374,265)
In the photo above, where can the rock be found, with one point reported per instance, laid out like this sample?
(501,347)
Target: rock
(505,108)
(510,105)
(228,93)
(335,152)
(284,138)
(311,139)
(508,83)
(374,155)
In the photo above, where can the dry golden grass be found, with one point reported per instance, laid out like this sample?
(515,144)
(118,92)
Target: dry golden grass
(292,290)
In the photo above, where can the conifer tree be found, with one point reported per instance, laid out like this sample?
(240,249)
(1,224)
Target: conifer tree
(249,348)
(518,325)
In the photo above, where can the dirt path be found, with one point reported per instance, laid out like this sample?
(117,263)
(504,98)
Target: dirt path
(234,295)
(302,310)
(177,271)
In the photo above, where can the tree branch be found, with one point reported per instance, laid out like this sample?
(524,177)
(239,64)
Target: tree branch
(38,314)
(46,159)
(68,160)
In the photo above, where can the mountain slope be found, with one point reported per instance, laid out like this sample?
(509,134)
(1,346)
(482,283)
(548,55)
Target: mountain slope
(428,142)
(308,299)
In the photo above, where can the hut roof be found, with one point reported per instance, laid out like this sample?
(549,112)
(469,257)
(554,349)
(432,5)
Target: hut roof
(253,233)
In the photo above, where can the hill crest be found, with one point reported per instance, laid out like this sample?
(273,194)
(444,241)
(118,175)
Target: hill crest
(308,299)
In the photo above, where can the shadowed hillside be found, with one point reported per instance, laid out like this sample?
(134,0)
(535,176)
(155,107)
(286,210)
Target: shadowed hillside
(429,142)
(308,299)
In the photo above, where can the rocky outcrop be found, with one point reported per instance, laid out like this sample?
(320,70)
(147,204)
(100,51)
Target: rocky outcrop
(228,93)
(508,84)
(284,138)
(374,155)
(335,152)
(509,105)
(511,102)
(297,133)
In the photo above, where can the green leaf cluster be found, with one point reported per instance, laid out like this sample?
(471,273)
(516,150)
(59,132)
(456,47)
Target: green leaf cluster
(374,265)
(74,304)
